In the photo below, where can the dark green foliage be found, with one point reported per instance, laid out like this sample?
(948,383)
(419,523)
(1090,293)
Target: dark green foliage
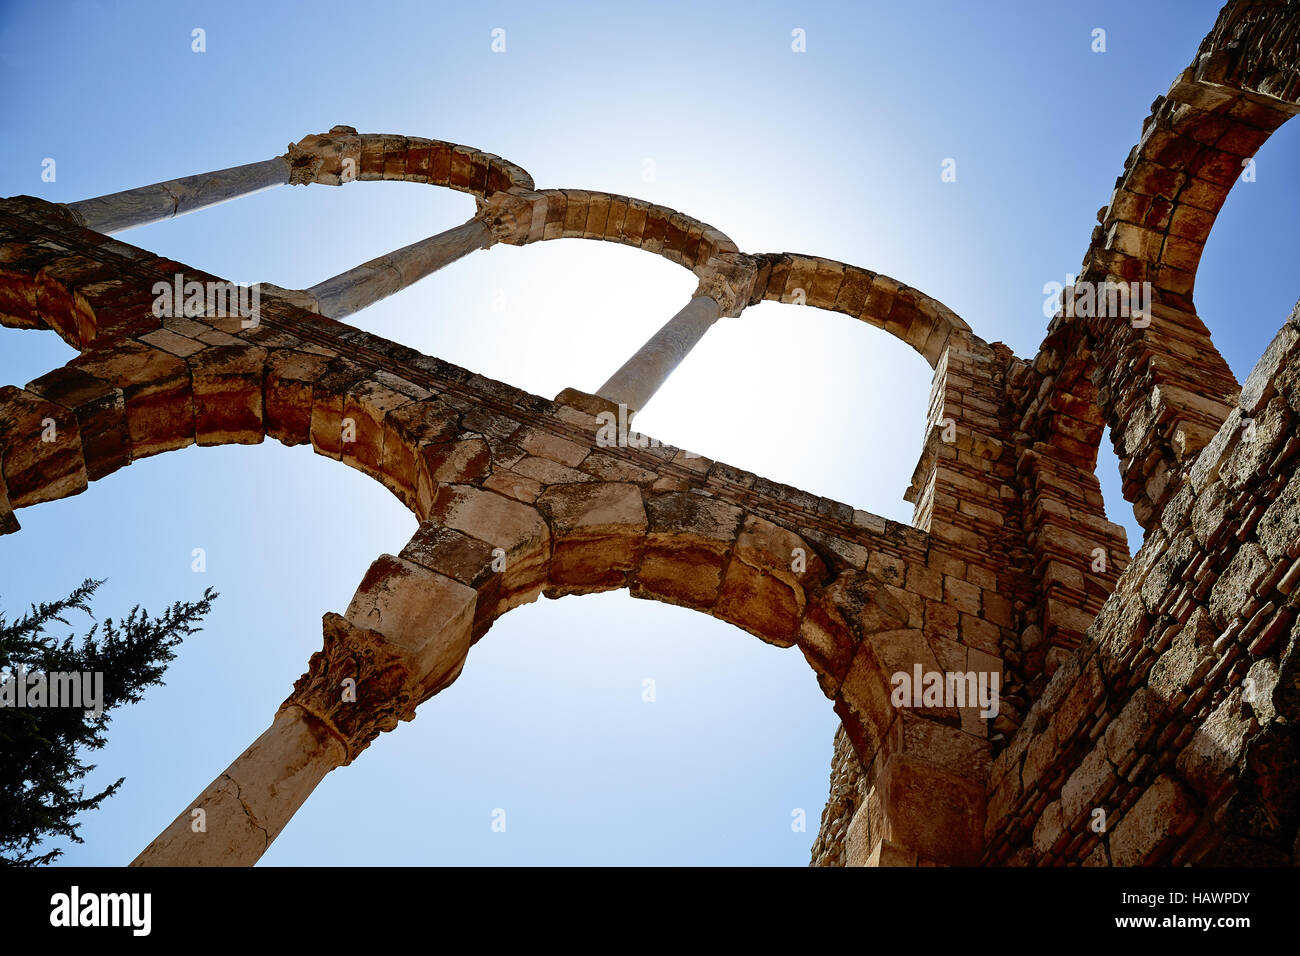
(40,796)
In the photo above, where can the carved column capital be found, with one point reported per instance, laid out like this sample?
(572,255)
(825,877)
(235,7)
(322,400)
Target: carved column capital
(74,214)
(729,280)
(331,158)
(298,297)
(358,685)
(509,216)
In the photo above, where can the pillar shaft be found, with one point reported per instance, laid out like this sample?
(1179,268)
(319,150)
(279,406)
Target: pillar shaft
(642,374)
(246,807)
(379,278)
(358,685)
(117,212)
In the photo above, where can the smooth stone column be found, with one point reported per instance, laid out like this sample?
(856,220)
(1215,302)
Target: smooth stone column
(406,636)
(117,212)
(642,374)
(379,278)
(246,807)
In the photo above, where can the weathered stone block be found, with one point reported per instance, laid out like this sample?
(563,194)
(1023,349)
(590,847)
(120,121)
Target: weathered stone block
(827,643)
(863,699)
(329,394)
(156,389)
(761,603)
(368,402)
(41,454)
(101,416)
(426,615)
(933,812)
(228,389)
(686,549)
(599,535)
(1238,583)
(1163,813)
(290,375)
(1279,527)
(417,448)
(1087,787)
(1209,760)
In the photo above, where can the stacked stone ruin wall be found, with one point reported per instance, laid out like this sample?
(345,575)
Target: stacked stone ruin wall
(1141,745)
(1170,739)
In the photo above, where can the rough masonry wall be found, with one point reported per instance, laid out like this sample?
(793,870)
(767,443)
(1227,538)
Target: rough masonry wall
(1158,381)
(1144,742)
(1178,719)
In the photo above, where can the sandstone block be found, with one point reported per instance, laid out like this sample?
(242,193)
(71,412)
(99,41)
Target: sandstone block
(686,548)
(290,375)
(101,416)
(42,457)
(426,615)
(1161,814)
(228,388)
(156,390)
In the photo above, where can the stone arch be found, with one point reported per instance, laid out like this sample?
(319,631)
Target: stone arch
(923,322)
(1154,377)
(1228,259)
(146,384)
(133,398)
(607,217)
(519,214)
(1159,383)
(469,455)
(674,546)
(855,620)
(481,551)
(343,155)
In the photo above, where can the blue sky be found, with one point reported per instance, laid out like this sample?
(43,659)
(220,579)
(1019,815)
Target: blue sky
(835,151)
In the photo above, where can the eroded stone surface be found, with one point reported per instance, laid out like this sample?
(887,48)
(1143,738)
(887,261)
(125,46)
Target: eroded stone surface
(1145,705)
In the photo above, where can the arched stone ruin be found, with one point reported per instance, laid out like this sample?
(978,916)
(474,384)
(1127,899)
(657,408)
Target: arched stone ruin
(1161,691)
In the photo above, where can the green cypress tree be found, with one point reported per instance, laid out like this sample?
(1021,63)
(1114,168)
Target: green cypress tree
(41,747)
